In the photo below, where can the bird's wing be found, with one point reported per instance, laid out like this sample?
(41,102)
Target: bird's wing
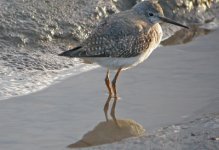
(115,37)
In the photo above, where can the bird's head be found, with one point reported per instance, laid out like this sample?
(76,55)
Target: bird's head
(154,13)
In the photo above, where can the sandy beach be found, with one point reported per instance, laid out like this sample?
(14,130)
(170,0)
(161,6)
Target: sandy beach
(175,85)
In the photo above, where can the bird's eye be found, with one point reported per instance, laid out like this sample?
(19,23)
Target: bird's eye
(150,14)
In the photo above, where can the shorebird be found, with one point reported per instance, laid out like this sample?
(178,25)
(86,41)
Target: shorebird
(121,41)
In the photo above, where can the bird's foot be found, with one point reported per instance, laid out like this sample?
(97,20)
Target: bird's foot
(117,97)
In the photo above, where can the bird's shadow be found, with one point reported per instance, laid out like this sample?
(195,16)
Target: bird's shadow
(109,132)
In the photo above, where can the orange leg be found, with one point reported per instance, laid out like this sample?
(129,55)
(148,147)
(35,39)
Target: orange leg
(115,96)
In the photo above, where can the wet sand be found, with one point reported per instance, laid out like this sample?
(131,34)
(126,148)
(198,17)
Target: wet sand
(177,83)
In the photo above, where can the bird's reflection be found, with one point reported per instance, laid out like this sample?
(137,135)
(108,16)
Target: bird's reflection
(108,132)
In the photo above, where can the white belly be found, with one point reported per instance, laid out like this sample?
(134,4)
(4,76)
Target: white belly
(116,63)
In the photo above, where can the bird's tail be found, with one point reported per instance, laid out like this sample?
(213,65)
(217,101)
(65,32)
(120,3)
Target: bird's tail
(70,53)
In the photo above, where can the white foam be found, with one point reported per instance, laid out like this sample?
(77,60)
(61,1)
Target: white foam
(17,83)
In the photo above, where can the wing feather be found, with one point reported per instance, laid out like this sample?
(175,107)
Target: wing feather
(116,36)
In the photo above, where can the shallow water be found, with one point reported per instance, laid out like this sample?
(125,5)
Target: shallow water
(33,32)
(167,95)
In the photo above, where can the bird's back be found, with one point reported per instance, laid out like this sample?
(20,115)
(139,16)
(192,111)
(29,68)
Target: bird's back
(125,34)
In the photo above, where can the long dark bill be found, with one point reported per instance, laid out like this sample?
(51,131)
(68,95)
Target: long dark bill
(173,22)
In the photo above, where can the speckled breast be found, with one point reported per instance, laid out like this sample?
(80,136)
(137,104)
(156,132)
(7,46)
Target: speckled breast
(153,38)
